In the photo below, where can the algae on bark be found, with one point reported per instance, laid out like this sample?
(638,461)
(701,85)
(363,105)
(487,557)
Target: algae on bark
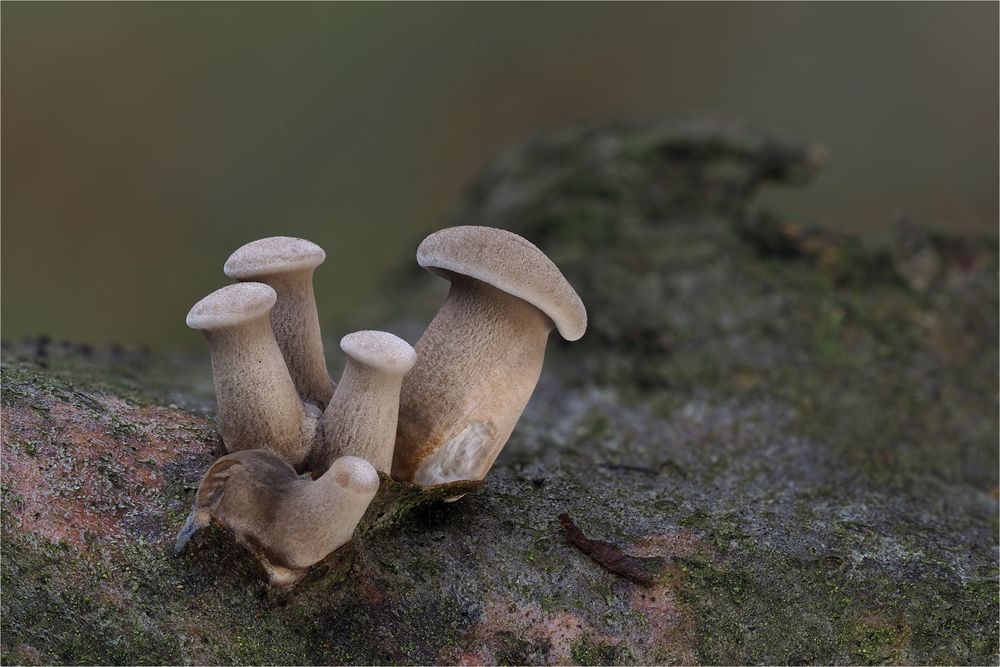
(803,428)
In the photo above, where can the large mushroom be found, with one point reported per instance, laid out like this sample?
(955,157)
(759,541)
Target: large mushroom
(289,521)
(258,404)
(287,264)
(479,359)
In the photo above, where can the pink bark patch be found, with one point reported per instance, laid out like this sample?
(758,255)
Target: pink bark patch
(555,631)
(670,637)
(89,474)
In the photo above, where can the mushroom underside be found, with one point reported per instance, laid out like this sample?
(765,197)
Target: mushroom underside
(466,456)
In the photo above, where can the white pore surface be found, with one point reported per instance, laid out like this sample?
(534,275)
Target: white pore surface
(460,458)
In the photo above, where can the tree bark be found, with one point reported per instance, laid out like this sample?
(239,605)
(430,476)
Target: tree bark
(788,437)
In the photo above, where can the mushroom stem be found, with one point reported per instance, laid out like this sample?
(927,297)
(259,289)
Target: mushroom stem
(289,521)
(477,365)
(481,356)
(287,265)
(296,328)
(361,418)
(257,402)
(321,519)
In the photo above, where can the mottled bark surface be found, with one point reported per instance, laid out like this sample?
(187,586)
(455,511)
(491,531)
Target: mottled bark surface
(798,430)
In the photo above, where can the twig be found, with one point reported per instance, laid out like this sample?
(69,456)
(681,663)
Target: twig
(645,571)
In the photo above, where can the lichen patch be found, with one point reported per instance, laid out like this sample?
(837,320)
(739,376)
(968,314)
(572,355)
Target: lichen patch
(671,633)
(656,627)
(84,473)
(521,633)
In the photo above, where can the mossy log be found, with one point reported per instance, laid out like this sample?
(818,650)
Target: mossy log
(788,437)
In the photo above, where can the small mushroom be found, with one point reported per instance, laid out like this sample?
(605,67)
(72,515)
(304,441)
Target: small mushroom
(289,521)
(480,358)
(258,404)
(361,418)
(287,264)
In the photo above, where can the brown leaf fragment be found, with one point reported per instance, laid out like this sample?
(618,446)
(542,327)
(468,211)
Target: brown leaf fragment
(645,571)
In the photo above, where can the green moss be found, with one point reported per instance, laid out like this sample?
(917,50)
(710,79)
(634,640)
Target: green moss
(589,651)
(818,613)
(878,646)
(77,377)
(513,649)
(121,428)
(45,606)
(397,500)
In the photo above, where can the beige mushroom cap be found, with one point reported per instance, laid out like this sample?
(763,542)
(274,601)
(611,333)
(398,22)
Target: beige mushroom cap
(509,263)
(355,474)
(379,349)
(231,305)
(275,254)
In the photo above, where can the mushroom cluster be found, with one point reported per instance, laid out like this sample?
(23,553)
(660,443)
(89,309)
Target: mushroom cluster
(305,456)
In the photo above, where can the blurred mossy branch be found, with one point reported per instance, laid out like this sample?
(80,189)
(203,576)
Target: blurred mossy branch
(799,426)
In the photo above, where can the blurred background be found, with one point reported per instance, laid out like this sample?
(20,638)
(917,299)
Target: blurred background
(143,142)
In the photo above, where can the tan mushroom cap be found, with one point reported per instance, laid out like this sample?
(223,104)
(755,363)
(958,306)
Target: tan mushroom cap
(231,305)
(356,474)
(509,263)
(275,254)
(379,349)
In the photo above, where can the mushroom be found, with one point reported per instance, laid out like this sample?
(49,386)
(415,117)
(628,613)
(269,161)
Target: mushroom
(361,418)
(258,404)
(287,264)
(289,521)
(480,357)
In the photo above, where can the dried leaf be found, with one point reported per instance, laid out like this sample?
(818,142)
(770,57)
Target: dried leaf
(611,557)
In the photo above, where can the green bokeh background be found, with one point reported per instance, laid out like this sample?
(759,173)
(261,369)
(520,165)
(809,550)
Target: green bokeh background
(143,142)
